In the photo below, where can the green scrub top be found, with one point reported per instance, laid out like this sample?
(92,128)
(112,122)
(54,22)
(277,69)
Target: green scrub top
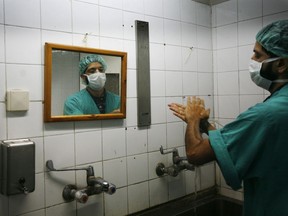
(82,103)
(254,149)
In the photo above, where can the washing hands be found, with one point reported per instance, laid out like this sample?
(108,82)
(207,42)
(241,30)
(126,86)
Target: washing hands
(193,111)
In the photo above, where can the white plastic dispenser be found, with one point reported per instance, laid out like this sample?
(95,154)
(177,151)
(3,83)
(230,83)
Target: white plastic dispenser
(17,100)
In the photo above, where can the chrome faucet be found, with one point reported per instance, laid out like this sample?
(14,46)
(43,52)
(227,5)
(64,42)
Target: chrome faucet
(95,185)
(179,164)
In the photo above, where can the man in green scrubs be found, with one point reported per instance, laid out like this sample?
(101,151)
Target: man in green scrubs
(94,99)
(253,149)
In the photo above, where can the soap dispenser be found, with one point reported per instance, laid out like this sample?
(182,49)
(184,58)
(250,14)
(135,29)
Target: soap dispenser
(17,166)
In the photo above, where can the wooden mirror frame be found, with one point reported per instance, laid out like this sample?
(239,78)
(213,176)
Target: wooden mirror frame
(48,117)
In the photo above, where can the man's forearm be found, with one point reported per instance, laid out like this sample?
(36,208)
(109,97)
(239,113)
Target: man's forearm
(198,150)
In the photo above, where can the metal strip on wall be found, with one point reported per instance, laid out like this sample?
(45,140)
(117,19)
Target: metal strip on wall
(143,73)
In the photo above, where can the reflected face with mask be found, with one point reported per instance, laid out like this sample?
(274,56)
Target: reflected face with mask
(265,69)
(94,76)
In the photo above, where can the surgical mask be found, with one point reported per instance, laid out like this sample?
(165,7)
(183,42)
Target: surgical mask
(96,81)
(255,68)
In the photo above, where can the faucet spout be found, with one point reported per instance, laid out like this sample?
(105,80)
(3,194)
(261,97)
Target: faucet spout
(100,185)
(179,164)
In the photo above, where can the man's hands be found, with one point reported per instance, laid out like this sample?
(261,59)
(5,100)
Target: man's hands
(194,111)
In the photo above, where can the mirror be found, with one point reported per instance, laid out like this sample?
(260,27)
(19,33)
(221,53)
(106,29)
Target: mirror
(63,83)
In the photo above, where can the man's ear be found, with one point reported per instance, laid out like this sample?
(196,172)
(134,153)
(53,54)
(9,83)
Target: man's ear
(84,78)
(282,65)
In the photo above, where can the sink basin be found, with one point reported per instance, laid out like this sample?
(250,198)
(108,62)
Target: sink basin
(219,206)
(215,205)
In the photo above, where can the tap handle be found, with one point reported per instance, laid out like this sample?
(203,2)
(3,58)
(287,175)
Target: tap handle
(174,151)
(50,167)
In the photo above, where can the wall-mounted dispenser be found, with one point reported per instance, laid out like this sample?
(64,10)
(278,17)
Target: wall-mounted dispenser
(17,166)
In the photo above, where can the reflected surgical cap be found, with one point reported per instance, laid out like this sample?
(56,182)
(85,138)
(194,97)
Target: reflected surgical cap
(85,61)
(274,38)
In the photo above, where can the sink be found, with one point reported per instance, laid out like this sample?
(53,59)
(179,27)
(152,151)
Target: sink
(219,206)
(211,205)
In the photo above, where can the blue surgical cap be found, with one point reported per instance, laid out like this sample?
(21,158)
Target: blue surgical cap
(274,38)
(85,61)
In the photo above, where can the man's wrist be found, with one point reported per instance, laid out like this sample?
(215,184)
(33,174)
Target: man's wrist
(204,125)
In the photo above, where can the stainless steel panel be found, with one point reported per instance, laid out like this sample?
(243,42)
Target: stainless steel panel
(143,73)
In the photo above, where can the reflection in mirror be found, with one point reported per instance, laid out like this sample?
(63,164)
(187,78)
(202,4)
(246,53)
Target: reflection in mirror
(83,83)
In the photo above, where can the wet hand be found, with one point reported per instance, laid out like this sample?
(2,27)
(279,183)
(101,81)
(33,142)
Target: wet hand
(178,110)
(195,110)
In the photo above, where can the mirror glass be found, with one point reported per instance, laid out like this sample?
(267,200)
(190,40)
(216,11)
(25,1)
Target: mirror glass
(83,83)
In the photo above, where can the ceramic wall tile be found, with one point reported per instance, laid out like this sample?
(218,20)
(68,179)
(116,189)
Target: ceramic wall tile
(172,32)
(156,29)
(174,83)
(189,35)
(190,83)
(17,122)
(157,52)
(2,11)
(227,60)
(112,3)
(188,11)
(226,36)
(189,59)
(63,145)
(19,77)
(171,9)
(56,18)
(203,15)
(25,39)
(247,31)
(83,15)
(116,205)
(158,110)
(129,20)
(204,60)
(3,124)
(228,83)
(115,171)
(111,25)
(157,82)
(28,13)
(2,82)
(157,137)
(135,6)
(67,209)
(88,147)
(175,134)
(154,8)
(158,191)
(173,60)
(270,7)
(249,9)
(113,143)
(226,13)
(135,202)
(136,140)
(137,168)
(131,83)
(204,38)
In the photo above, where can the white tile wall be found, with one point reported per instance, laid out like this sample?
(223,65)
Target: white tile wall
(63,20)
(192,52)
(249,9)
(85,18)
(1,11)
(22,13)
